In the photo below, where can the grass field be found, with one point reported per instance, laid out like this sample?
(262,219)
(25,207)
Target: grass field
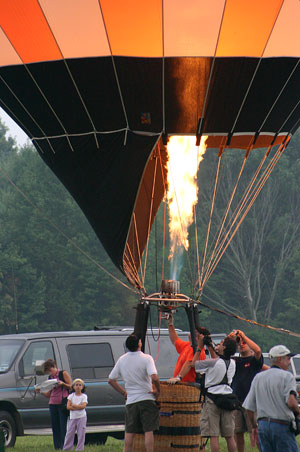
(44,444)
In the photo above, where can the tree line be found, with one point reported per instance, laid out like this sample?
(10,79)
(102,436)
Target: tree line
(47,284)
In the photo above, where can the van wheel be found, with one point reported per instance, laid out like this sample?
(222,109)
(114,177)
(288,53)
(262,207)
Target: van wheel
(9,426)
(95,438)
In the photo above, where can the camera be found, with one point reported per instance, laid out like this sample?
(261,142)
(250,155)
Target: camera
(207,340)
(236,336)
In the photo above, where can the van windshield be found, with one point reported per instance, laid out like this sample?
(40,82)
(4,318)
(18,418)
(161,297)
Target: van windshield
(8,351)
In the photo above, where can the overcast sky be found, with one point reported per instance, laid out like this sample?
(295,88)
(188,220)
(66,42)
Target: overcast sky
(14,129)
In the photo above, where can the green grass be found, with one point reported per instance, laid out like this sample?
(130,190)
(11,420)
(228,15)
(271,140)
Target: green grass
(45,444)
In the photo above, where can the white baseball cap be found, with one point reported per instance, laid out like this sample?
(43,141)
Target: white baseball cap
(280,350)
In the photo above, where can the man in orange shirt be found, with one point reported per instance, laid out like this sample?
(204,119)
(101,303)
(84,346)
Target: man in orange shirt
(186,353)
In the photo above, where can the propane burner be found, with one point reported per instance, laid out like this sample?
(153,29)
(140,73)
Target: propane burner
(169,298)
(168,292)
(169,288)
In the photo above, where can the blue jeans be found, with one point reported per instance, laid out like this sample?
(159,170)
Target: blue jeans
(275,437)
(59,425)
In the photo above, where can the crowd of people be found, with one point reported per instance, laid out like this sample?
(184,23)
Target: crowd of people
(239,393)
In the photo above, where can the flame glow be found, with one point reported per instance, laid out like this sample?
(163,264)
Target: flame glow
(182,195)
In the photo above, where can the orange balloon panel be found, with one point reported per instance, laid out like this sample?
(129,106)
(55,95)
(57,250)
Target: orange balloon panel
(284,40)
(52,29)
(79,31)
(134,27)
(25,26)
(247,26)
(192,30)
(8,54)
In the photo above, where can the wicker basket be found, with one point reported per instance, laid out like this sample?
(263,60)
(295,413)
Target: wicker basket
(180,393)
(179,420)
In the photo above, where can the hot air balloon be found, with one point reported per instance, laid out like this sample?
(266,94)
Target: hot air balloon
(100,85)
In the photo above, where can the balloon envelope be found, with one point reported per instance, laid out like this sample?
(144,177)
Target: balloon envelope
(96,83)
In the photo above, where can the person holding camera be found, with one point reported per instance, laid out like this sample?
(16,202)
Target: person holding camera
(186,354)
(273,398)
(219,372)
(248,364)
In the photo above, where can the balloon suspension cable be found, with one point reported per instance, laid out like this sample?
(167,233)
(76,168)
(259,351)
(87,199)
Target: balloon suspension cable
(197,247)
(246,205)
(169,300)
(201,283)
(149,220)
(165,210)
(226,232)
(44,216)
(137,242)
(130,268)
(135,264)
(252,322)
(210,217)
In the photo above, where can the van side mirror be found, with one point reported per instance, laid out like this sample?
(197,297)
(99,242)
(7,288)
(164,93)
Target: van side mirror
(39,367)
(21,368)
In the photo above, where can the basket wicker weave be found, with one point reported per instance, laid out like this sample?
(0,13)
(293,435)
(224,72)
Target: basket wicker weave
(181,392)
(180,416)
(164,443)
(179,420)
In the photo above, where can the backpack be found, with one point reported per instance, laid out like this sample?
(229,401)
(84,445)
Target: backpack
(227,402)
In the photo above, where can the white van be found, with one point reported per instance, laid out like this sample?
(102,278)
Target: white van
(89,355)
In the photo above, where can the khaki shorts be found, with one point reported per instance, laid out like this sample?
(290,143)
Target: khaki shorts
(141,417)
(242,421)
(216,422)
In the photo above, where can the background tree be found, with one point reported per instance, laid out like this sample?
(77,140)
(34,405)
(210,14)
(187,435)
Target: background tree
(48,284)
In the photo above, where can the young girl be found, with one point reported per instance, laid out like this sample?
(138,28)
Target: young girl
(77,401)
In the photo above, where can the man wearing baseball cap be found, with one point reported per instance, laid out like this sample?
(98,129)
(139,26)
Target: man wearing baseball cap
(273,398)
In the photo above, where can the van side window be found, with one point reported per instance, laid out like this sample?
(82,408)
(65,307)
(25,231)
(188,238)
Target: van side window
(37,351)
(296,360)
(90,361)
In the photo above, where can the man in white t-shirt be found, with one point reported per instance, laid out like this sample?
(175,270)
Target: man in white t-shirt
(142,388)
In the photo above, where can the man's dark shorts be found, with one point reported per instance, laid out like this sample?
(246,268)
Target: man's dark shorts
(141,417)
